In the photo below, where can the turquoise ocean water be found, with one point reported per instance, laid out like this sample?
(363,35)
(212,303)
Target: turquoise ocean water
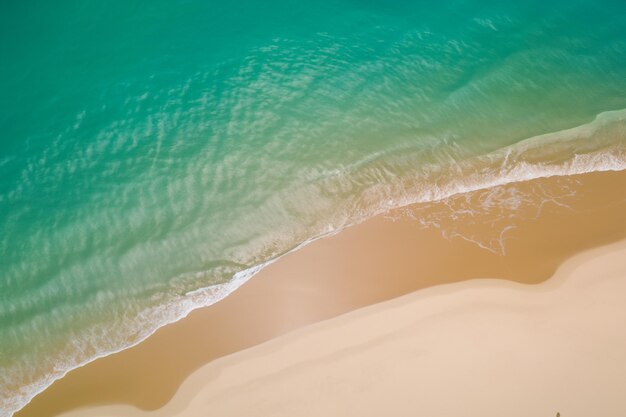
(154,154)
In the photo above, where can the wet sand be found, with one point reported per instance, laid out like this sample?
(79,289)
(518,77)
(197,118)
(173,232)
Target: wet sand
(519,232)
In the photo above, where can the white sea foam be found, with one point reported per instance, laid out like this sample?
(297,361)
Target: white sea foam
(596,146)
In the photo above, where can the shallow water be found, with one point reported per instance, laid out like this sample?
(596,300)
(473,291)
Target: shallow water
(149,150)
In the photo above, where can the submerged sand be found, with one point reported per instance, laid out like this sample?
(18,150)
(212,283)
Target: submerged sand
(519,232)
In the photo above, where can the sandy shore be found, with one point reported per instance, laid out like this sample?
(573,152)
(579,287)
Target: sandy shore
(475,348)
(520,232)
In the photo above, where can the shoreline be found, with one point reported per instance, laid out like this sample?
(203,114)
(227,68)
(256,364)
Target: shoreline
(535,158)
(319,299)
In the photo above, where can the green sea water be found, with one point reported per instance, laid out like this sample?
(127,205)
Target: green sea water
(155,154)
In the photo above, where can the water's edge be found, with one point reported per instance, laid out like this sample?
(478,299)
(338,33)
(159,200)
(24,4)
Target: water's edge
(598,146)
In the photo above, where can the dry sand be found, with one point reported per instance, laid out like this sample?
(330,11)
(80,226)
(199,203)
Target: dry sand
(520,232)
